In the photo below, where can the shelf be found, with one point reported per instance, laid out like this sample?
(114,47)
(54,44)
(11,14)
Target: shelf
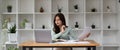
(112,4)
(111,48)
(25,29)
(62,4)
(42,29)
(42,13)
(110,29)
(76,29)
(5,3)
(76,18)
(22,18)
(93,12)
(25,6)
(95,19)
(80,3)
(58,12)
(109,12)
(110,37)
(5,29)
(90,4)
(96,29)
(11,18)
(11,43)
(5,13)
(25,12)
(110,20)
(45,4)
(110,45)
(76,12)
(43,19)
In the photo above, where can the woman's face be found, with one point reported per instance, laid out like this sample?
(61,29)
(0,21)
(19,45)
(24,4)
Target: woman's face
(58,22)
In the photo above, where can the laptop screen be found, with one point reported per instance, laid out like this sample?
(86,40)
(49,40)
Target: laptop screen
(43,36)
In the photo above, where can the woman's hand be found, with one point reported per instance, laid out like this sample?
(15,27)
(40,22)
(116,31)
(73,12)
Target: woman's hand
(62,28)
(88,35)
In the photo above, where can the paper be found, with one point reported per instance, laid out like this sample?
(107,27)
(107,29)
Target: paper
(84,34)
(73,42)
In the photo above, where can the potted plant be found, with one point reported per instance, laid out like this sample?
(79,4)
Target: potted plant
(108,9)
(23,23)
(9,8)
(12,48)
(59,8)
(93,10)
(5,23)
(76,25)
(26,24)
(41,9)
(12,34)
(76,8)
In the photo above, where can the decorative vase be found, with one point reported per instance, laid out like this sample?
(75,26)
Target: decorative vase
(28,25)
(108,9)
(59,10)
(109,26)
(41,10)
(43,26)
(76,25)
(12,37)
(93,10)
(9,8)
(93,26)
(76,8)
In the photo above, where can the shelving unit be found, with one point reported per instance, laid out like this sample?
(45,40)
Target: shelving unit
(101,18)
(10,45)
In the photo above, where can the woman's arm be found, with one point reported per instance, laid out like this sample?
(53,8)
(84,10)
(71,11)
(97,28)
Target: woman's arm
(72,35)
(54,35)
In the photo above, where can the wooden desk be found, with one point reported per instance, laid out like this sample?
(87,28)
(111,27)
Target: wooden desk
(30,44)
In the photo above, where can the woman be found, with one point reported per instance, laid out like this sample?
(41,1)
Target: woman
(60,31)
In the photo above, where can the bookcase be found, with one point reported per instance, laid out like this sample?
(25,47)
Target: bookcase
(104,14)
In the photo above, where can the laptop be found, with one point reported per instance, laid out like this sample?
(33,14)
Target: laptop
(43,36)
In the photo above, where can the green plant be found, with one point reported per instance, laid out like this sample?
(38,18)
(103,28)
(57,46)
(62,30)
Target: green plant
(9,6)
(12,48)
(4,23)
(12,29)
(23,23)
(76,6)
